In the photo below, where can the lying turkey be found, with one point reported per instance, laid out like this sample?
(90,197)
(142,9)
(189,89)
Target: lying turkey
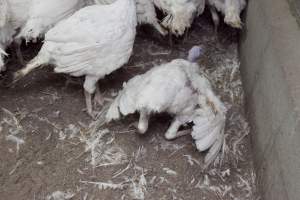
(93,42)
(231,9)
(180,89)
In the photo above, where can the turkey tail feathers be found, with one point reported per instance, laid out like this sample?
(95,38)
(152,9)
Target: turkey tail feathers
(210,134)
(38,61)
(209,119)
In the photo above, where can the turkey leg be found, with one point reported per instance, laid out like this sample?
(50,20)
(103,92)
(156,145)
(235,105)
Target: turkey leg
(215,18)
(90,87)
(173,132)
(88,101)
(143,122)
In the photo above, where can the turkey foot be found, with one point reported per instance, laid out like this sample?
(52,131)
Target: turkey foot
(173,133)
(89,106)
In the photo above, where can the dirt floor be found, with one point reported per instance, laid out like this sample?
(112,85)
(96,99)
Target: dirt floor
(51,149)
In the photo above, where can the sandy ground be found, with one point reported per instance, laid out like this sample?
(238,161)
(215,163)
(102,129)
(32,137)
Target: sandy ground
(49,151)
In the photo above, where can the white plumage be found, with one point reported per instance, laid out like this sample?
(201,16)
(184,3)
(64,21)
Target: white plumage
(6,31)
(4,36)
(180,89)
(145,11)
(146,15)
(43,15)
(33,17)
(3,14)
(93,42)
(18,10)
(231,9)
(13,14)
(180,13)
(2,55)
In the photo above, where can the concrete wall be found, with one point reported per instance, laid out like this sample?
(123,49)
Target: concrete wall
(270,60)
(295,7)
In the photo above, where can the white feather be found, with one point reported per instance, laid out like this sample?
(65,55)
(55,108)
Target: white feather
(145,11)
(6,35)
(180,13)
(43,15)
(13,14)
(5,31)
(4,12)
(231,9)
(180,89)
(93,42)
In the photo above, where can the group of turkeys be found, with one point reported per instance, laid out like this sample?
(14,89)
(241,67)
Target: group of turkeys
(93,38)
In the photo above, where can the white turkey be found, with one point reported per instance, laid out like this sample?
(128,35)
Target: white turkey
(179,13)
(145,11)
(6,30)
(4,36)
(43,15)
(19,12)
(146,15)
(180,89)
(93,42)
(13,14)
(3,14)
(33,17)
(231,9)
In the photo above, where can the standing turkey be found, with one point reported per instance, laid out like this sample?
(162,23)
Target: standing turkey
(179,14)
(180,89)
(145,11)
(93,42)
(33,17)
(231,9)
(3,38)
(43,15)
(13,13)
